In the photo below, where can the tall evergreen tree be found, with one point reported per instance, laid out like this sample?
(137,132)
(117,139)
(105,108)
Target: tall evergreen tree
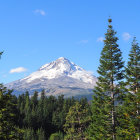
(129,112)
(29,134)
(58,115)
(110,72)
(34,100)
(40,134)
(8,129)
(40,112)
(8,110)
(77,120)
(133,68)
(27,110)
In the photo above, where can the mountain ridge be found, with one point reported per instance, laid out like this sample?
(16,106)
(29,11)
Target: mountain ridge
(58,77)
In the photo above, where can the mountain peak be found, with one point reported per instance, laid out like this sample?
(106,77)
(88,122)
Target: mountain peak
(60,63)
(61,67)
(58,77)
(62,58)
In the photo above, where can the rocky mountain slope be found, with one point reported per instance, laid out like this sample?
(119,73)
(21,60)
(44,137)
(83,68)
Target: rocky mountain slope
(58,77)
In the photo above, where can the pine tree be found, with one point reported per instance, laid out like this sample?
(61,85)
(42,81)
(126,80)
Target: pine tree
(27,103)
(133,68)
(34,100)
(110,72)
(42,97)
(40,134)
(8,129)
(27,110)
(56,136)
(129,112)
(8,117)
(77,120)
(29,134)
(40,112)
(58,117)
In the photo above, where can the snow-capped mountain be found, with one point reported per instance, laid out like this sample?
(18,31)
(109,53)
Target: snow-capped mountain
(58,77)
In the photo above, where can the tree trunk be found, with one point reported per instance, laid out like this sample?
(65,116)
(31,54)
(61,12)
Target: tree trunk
(113,116)
(137,114)
(112,109)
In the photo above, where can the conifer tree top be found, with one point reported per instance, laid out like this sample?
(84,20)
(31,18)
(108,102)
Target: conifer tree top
(109,20)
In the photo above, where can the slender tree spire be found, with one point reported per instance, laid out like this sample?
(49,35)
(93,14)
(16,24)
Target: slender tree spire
(110,74)
(130,113)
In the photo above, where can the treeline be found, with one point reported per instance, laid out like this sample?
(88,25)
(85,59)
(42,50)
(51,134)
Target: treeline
(40,118)
(44,116)
(114,113)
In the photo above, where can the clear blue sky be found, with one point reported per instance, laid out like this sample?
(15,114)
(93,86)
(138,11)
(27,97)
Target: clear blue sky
(35,32)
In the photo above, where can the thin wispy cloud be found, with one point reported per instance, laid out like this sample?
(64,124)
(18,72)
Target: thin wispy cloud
(40,12)
(83,42)
(100,39)
(18,70)
(126,36)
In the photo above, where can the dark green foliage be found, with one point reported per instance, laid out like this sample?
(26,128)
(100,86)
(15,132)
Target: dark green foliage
(29,134)
(77,120)
(40,134)
(8,115)
(129,112)
(8,111)
(56,136)
(110,71)
(133,68)
(58,116)
(113,114)
(43,115)
(34,100)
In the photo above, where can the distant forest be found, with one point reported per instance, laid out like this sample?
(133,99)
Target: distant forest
(112,114)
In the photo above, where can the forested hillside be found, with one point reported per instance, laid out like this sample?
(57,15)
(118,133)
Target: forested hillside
(113,113)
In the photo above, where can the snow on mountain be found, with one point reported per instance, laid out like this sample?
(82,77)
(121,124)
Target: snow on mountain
(61,67)
(58,77)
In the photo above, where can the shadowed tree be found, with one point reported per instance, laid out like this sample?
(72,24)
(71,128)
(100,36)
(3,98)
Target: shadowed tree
(77,120)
